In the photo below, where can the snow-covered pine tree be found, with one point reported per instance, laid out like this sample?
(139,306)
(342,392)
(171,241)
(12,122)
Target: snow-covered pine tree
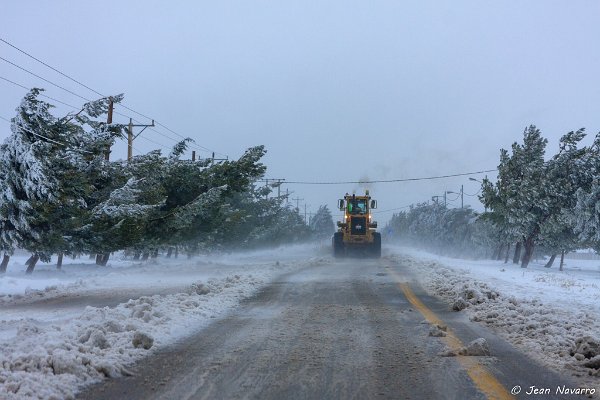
(586,213)
(520,196)
(47,162)
(566,172)
(495,198)
(321,224)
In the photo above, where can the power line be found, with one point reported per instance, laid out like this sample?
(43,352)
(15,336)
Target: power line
(49,66)
(44,79)
(390,180)
(96,92)
(42,136)
(156,143)
(170,130)
(67,90)
(43,95)
(47,138)
(193,144)
(474,194)
(391,209)
(456,198)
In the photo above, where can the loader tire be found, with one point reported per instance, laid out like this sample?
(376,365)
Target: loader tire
(376,250)
(337,242)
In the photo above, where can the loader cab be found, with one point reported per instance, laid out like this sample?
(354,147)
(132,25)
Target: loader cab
(357,206)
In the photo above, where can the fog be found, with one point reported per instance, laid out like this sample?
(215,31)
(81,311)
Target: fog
(343,91)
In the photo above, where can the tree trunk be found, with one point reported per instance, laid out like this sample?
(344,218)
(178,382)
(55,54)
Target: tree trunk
(136,255)
(104,259)
(31,264)
(176,251)
(98,259)
(562,260)
(517,255)
(169,252)
(550,261)
(499,255)
(29,260)
(4,264)
(92,256)
(529,245)
(59,261)
(145,256)
(154,254)
(507,253)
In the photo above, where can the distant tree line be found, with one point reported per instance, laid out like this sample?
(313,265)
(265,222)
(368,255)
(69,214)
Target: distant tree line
(60,196)
(549,206)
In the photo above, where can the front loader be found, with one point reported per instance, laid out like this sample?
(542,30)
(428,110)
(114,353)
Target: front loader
(356,234)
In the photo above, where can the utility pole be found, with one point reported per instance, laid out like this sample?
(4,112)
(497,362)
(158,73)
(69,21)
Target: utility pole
(297,200)
(444,199)
(278,182)
(275,182)
(305,221)
(462,194)
(131,138)
(213,159)
(266,184)
(111,105)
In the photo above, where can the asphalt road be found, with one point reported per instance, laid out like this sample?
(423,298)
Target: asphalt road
(357,329)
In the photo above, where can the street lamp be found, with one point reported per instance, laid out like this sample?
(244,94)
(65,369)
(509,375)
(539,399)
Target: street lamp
(462,191)
(435,198)
(477,180)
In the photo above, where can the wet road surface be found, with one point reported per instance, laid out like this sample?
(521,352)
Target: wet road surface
(347,330)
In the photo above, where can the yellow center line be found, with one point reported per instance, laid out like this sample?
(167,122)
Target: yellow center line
(481,377)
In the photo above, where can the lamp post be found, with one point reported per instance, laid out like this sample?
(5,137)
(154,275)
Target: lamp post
(462,192)
(477,180)
(435,198)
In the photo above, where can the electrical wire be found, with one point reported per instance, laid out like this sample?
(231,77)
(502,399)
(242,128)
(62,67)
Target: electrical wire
(162,134)
(42,95)
(99,94)
(52,140)
(474,194)
(454,199)
(49,66)
(44,79)
(389,180)
(69,105)
(391,209)
(42,136)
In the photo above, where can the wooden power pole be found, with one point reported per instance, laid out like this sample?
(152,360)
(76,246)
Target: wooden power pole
(131,138)
(111,105)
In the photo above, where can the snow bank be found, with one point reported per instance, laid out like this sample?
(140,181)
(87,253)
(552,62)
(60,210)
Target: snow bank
(538,311)
(51,362)
(46,357)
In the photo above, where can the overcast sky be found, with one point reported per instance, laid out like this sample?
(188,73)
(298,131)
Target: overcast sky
(335,90)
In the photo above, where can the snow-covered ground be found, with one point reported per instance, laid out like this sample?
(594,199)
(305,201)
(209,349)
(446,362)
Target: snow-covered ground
(52,341)
(60,330)
(553,316)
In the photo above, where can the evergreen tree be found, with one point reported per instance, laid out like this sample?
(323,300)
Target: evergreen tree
(43,190)
(586,212)
(321,224)
(566,172)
